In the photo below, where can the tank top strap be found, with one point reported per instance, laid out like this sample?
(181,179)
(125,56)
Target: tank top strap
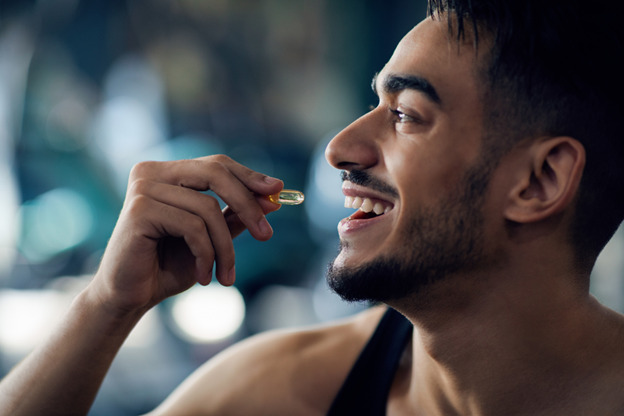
(366,388)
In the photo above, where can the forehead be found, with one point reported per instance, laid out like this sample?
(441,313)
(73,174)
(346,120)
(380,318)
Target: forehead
(429,51)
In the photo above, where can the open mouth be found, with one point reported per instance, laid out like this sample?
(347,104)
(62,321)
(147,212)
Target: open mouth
(367,208)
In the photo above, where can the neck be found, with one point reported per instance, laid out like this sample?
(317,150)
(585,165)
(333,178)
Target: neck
(487,344)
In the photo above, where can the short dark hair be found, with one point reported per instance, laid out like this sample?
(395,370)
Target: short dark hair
(555,67)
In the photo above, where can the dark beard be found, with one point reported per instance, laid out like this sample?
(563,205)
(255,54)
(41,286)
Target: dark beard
(440,241)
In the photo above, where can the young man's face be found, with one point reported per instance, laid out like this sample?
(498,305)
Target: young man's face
(415,157)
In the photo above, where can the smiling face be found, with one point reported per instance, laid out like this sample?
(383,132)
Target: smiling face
(415,159)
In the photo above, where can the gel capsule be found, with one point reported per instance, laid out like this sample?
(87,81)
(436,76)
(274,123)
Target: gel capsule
(287,197)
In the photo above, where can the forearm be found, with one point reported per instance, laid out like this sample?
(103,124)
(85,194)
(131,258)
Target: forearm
(170,235)
(63,375)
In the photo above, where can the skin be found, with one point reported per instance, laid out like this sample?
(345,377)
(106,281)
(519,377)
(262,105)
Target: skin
(518,334)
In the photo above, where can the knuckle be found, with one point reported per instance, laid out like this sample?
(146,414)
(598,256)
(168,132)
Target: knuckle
(207,199)
(213,166)
(142,169)
(140,186)
(138,205)
(211,204)
(219,166)
(221,159)
(196,224)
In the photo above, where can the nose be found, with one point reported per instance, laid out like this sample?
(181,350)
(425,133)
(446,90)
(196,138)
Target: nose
(355,147)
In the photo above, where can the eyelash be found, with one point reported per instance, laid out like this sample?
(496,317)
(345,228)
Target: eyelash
(401,116)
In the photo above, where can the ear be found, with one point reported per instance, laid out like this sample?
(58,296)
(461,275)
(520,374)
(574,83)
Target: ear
(549,182)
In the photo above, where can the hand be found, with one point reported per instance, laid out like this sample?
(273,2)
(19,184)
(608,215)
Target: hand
(170,235)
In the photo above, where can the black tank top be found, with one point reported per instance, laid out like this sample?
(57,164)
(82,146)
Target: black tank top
(365,391)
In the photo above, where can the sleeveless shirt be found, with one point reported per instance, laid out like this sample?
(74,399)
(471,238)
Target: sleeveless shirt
(366,388)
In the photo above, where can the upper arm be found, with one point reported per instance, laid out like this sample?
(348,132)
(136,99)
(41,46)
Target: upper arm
(288,372)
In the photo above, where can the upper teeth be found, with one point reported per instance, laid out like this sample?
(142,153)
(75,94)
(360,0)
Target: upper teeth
(365,204)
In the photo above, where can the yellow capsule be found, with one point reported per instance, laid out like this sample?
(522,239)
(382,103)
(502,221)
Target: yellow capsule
(287,197)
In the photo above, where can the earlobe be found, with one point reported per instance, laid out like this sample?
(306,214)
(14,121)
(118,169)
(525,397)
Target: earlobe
(550,181)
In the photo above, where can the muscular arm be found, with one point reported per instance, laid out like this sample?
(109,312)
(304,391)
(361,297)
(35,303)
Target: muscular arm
(169,236)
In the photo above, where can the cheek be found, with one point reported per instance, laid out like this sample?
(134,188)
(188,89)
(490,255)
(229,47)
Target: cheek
(423,173)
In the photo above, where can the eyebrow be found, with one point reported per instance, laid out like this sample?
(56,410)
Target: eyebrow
(395,83)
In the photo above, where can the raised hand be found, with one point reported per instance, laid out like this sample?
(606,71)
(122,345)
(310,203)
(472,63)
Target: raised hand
(171,235)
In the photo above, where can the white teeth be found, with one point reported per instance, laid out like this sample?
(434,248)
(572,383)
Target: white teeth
(348,202)
(366,205)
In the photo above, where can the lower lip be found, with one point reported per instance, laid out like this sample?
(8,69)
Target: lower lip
(349,226)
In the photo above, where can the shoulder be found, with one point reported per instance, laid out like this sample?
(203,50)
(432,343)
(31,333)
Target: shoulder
(278,372)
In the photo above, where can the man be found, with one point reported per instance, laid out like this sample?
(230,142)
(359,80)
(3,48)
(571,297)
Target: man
(491,166)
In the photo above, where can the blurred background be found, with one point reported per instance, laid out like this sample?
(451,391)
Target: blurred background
(89,88)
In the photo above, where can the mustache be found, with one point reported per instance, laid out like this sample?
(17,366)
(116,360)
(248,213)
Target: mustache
(359,177)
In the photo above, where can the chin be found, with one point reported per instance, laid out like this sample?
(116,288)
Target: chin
(407,273)
(382,280)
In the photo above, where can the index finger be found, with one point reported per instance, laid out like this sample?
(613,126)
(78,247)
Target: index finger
(235,184)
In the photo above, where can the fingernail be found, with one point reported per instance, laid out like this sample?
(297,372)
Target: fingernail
(264,226)
(204,276)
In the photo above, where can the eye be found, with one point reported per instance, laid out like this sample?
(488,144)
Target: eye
(401,117)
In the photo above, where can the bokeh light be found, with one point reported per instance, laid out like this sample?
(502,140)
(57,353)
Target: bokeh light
(26,316)
(208,313)
(54,222)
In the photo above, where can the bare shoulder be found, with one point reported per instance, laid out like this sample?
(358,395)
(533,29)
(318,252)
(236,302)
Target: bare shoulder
(602,390)
(278,372)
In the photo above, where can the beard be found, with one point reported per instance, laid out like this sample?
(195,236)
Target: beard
(439,241)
